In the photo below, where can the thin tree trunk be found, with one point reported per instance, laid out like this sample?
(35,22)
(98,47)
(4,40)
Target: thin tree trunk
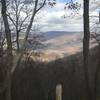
(86,48)
(17,40)
(1,39)
(17,31)
(8,89)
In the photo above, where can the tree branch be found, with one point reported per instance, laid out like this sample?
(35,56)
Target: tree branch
(11,19)
(23,22)
(41,6)
(19,55)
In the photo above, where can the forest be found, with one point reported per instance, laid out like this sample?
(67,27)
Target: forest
(49,50)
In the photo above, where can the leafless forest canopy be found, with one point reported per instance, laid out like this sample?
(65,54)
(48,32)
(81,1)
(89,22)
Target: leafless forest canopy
(49,50)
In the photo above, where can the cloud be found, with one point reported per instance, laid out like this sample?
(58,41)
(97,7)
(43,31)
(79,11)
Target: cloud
(52,18)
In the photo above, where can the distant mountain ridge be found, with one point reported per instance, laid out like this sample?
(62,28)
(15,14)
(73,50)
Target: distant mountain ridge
(54,34)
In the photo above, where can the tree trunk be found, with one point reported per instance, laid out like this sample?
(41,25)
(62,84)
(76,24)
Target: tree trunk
(1,49)
(7,30)
(86,48)
(97,73)
(8,88)
(17,40)
(17,31)
(9,49)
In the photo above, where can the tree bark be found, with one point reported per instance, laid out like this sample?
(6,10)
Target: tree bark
(86,48)
(96,78)
(17,40)
(7,29)
(9,49)
(17,31)
(97,73)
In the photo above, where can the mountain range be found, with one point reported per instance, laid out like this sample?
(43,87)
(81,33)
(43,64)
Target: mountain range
(62,43)
(54,34)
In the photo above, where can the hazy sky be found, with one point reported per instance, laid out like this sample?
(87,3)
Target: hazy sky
(52,19)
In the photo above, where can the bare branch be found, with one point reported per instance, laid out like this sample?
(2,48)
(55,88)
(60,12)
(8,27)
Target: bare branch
(95,37)
(22,29)
(23,22)
(19,56)
(41,6)
(11,19)
(20,9)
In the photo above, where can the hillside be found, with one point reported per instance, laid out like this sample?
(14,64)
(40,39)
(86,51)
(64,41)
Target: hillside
(62,43)
(38,80)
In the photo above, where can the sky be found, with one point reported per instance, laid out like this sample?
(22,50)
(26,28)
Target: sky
(52,19)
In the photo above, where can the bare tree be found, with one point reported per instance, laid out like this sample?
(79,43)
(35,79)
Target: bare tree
(17,8)
(9,49)
(2,37)
(12,63)
(7,29)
